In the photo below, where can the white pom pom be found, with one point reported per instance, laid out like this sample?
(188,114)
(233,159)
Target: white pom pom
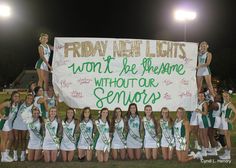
(27,117)
(230,91)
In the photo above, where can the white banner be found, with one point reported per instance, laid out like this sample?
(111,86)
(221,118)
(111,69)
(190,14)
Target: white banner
(103,72)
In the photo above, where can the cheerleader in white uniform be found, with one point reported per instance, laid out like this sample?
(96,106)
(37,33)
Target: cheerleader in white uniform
(68,142)
(42,65)
(51,98)
(203,70)
(35,129)
(194,128)
(204,123)
(151,139)
(181,135)
(20,127)
(167,138)
(118,128)
(41,102)
(51,142)
(102,138)
(85,143)
(228,117)
(134,140)
(6,122)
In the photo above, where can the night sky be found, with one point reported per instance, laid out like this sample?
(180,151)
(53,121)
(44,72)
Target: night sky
(143,19)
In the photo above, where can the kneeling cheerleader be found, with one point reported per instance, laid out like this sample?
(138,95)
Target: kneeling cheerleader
(68,142)
(151,139)
(181,134)
(51,142)
(102,140)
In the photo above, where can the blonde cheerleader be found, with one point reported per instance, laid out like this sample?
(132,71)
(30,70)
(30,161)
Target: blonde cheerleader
(51,141)
(102,144)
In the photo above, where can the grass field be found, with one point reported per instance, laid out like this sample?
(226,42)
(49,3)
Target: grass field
(125,164)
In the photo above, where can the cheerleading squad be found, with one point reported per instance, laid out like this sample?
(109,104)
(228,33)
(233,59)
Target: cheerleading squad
(124,136)
(33,125)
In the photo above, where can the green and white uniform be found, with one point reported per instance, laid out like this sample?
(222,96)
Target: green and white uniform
(11,112)
(51,141)
(202,59)
(226,114)
(103,141)
(167,138)
(35,137)
(134,140)
(51,101)
(68,140)
(41,107)
(203,120)
(40,64)
(86,135)
(215,117)
(179,134)
(118,140)
(19,123)
(150,137)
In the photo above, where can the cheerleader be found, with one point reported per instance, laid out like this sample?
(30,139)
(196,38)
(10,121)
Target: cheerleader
(51,140)
(20,127)
(215,119)
(181,135)
(35,129)
(85,143)
(102,140)
(204,122)
(167,138)
(41,102)
(118,129)
(203,70)
(194,128)
(32,85)
(10,110)
(227,120)
(42,65)
(51,99)
(134,141)
(151,140)
(68,142)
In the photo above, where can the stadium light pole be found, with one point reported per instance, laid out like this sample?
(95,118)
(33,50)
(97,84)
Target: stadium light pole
(184,16)
(5,11)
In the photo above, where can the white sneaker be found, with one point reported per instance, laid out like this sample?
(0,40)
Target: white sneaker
(15,158)
(204,153)
(192,154)
(197,147)
(213,152)
(22,157)
(199,156)
(7,158)
(225,157)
